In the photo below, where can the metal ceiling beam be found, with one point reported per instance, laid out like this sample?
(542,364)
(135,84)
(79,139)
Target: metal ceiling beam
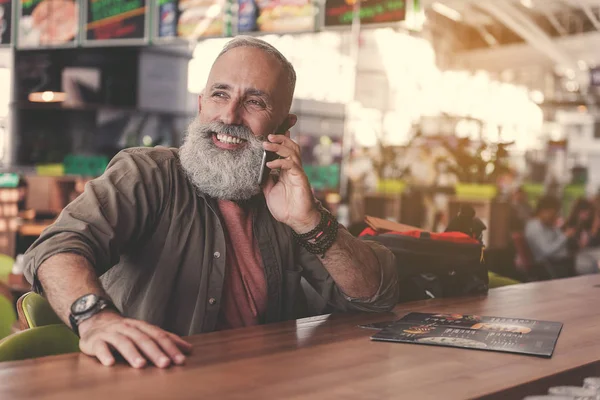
(486,35)
(523,26)
(589,13)
(555,23)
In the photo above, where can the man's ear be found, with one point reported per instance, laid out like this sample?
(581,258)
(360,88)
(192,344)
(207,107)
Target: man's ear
(292,120)
(200,102)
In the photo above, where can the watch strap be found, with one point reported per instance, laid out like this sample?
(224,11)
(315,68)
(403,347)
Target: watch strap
(101,305)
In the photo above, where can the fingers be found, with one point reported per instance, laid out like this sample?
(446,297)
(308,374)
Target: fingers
(286,165)
(284,147)
(103,354)
(170,344)
(126,348)
(285,141)
(282,151)
(148,346)
(137,342)
(154,330)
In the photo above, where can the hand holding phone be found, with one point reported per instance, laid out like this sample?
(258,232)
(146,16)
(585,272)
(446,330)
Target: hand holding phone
(269,156)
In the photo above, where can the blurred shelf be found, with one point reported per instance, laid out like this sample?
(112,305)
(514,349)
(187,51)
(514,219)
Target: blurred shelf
(33,228)
(25,105)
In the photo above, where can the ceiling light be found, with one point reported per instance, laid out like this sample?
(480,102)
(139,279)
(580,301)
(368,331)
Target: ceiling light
(527,3)
(446,11)
(47,97)
(572,86)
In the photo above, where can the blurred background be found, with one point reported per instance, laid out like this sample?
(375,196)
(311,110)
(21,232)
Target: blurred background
(407,109)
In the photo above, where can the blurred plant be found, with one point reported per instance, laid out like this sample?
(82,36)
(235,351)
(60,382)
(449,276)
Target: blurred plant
(481,163)
(468,161)
(385,163)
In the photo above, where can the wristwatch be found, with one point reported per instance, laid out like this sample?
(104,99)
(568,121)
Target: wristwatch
(86,307)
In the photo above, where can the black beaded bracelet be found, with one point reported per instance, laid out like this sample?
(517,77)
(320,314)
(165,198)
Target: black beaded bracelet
(320,226)
(322,237)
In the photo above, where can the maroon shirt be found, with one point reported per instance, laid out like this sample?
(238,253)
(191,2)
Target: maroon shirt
(244,300)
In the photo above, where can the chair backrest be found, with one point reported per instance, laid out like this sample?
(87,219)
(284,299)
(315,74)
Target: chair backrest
(38,342)
(7,316)
(497,281)
(35,311)
(6,265)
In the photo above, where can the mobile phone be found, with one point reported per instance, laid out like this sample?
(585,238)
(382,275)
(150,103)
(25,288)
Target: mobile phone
(269,156)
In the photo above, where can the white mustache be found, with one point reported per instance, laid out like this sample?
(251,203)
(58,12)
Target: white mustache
(238,131)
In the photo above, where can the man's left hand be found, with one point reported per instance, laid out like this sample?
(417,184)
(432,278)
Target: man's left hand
(290,199)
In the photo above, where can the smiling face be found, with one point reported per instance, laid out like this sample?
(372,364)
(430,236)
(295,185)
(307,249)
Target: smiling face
(247,96)
(248,87)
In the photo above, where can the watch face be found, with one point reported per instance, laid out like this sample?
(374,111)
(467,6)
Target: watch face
(84,304)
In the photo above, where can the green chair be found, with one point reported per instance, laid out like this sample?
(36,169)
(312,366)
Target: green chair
(7,317)
(6,264)
(499,281)
(35,311)
(38,342)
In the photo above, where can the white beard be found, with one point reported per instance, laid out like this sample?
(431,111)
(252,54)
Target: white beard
(219,173)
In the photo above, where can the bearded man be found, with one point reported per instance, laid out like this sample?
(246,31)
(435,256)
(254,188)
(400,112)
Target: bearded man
(188,241)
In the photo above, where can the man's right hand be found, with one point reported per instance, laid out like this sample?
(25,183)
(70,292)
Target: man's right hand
(137,341)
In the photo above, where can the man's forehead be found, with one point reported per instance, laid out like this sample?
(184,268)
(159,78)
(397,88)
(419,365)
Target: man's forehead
(248,67)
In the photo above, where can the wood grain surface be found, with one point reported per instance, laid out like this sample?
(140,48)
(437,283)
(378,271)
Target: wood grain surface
(329,357)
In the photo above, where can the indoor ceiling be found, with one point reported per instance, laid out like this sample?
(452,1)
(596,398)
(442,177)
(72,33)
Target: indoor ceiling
(484,23)
(558,37)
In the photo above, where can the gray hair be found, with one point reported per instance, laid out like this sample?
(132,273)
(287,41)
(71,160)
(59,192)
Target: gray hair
(251,41)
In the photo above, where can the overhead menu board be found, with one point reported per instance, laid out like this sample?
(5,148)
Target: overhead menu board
(48,23)
(190,19)
(115,21)
(5,22)
(276,16)
(341,12)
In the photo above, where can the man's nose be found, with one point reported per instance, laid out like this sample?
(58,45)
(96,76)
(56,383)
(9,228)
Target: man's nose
(231,113)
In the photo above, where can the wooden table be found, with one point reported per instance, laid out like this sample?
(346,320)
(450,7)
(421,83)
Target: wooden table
(330,358)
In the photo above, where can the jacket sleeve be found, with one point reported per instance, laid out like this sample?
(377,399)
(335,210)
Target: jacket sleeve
(335,300)
(111,215)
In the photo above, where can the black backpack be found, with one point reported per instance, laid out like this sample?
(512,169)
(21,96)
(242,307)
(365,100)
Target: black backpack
(433,265)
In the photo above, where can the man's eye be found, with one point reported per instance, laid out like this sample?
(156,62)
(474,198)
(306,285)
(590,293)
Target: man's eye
(256,103)
(219,94)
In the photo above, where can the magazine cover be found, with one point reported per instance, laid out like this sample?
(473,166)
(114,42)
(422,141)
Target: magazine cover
(512,335)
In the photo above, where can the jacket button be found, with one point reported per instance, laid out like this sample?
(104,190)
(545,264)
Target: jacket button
(216,254)
(212,301)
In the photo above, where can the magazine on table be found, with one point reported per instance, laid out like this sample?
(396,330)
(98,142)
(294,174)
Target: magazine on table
(512,335)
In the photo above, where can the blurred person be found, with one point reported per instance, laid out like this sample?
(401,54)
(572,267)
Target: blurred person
(596,201)
(547,242)
(584,219)
(187,241)
(515,255)
(520,210)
